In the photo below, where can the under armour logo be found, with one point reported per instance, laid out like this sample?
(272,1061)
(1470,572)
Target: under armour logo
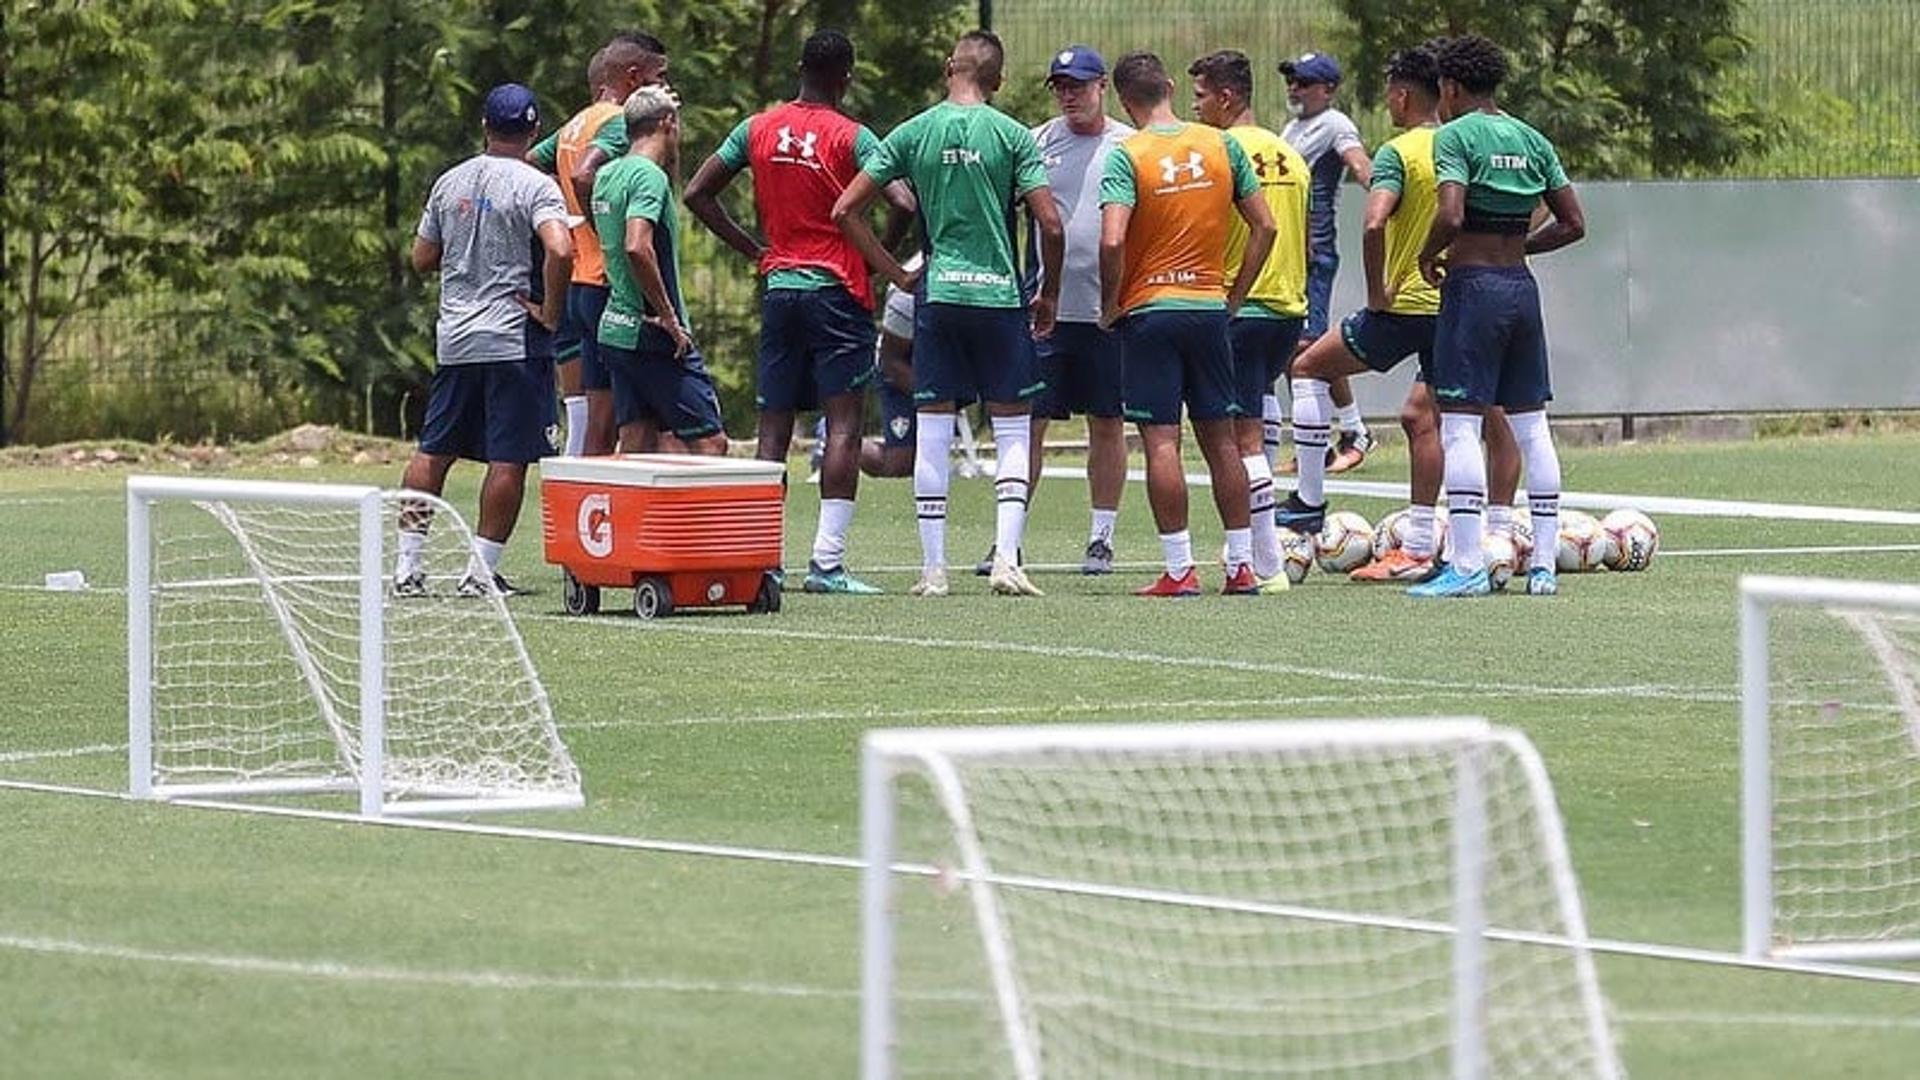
(1260,164)
(1170,169)
(803,142)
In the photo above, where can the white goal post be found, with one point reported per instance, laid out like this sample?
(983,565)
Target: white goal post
(1353,898)
(268,655)
(1830,768)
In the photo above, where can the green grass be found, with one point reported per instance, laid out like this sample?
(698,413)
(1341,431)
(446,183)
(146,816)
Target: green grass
(155,941)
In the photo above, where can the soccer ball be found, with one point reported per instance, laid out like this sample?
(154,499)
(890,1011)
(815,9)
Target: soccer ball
(1522,537)
(1391,532)
(1502,562)
(1584,545)
(1296,555)
(1634,540)
(1345,542)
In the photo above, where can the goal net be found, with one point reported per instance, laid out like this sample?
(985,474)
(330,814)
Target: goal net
(1830,747)
(268,655)
(1364,899)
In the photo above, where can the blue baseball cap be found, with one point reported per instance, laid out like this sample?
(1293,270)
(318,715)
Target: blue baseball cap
(1077,62)
(1312,67)
(511,109)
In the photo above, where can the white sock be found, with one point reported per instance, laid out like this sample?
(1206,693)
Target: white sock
(1012,440)
(1420,531)
(409,561)
(1265,534)
(576,423)
(1272,427)
(1348,417)
(1542,463)
(932,474)
(1312,402)
(1178,547)
(830,539)
(490,552)
(1500,519)
(1239,549)
(1103,526)
(1466,488)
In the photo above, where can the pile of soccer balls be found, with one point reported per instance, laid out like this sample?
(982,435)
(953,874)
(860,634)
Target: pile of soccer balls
(1623,540)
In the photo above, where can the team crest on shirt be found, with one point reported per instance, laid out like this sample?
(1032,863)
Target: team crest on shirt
(900,425)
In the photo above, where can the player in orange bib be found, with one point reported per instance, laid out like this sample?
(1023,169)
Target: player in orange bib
(1166,199)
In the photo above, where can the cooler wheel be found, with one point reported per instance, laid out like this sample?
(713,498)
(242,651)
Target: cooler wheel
(768,600)
(652,598)
(578,599)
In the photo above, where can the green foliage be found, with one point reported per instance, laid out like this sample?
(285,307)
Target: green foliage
(1626,87)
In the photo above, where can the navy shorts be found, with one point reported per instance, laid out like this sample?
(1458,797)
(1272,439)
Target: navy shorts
(1262,349)
(1381,339)
(966,353)
(1489,345)
(1174,357)
(650,383)
(897,417)
(491,412)
(1321,269)
(814,344)
(578,336)
(1081,365)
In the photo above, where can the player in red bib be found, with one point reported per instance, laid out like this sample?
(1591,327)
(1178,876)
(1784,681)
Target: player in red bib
(816,327)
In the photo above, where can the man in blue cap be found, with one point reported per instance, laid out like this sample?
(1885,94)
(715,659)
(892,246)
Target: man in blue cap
(488,222)
(1080,361)
(1330,142)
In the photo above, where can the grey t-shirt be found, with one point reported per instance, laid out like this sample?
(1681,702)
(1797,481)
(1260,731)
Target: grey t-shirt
(1321,139)
(483,213)
(1074,165)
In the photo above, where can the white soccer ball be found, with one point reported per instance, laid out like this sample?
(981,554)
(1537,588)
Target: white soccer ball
(1296,555)
(1522,537)
(1584,545)
(1390,532)
(1345,542)
(1502,562)
(1634,539)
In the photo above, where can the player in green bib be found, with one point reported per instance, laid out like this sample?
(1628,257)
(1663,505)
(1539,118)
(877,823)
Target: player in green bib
(969,165)
(1490,347)
(660,383)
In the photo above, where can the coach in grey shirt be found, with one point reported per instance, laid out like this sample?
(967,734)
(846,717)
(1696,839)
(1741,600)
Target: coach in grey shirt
(489,222)
(1330,142)
(1079,361)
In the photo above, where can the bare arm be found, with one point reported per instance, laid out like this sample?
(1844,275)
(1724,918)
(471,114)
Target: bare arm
(850,215)
(1373,247)
(1568,226)
(1448,217)
(1260,232)
(1359,165)
(426,255)
(638,251)
(1114,218)
(703,198)
(584,171)
(554,272)
(1053,252)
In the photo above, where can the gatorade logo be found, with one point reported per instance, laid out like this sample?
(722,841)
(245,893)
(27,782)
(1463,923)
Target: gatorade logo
(595,525)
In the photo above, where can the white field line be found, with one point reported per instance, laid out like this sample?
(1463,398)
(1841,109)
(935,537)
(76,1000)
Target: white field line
(12,757)
(1077,652)
(490,979)
(1593,500)
(1603,946)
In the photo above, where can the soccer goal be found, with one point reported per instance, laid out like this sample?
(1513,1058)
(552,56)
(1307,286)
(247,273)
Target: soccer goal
(1384,899)
(1830,768)
(267,655)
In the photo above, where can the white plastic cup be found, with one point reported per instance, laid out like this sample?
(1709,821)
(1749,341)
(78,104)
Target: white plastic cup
(66,581)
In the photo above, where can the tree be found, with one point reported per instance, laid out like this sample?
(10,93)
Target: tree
(1623,87)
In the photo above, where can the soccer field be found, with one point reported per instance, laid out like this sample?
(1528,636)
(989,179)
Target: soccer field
(142,940)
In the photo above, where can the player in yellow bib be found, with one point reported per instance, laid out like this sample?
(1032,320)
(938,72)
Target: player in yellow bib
(1397,322)
(1266,329)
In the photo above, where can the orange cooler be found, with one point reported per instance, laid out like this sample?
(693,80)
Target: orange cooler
(680,530)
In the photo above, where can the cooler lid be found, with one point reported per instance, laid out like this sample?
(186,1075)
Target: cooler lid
(662,470)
